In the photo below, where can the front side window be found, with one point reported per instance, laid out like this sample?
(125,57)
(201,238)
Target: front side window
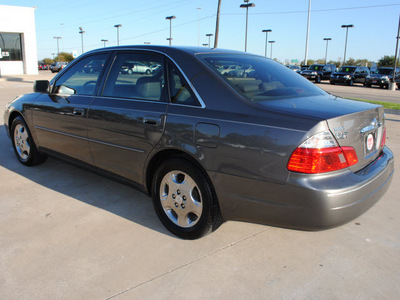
(83,77)
(136,76)
(258,79)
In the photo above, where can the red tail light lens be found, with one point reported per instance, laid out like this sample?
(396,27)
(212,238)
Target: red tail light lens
(383,138)
(313,160)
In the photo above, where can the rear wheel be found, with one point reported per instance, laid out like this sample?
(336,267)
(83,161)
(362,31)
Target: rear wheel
(184,200)
(23,144)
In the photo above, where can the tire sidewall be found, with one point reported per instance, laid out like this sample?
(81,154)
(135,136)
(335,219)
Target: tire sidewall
(204,225)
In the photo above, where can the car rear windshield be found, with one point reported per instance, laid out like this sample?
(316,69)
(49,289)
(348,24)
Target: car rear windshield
(259,79)
(347,69)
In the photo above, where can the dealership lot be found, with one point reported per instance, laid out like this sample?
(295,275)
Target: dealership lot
(68,233)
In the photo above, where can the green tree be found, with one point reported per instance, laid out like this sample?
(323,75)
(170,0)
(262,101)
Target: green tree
(48,61)
(386,61)
(64,56)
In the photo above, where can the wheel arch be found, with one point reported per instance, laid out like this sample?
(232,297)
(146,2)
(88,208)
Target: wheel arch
(14,114)
(167,154)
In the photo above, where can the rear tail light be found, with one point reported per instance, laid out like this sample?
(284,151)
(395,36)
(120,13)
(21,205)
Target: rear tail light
(383,141)
(321,153)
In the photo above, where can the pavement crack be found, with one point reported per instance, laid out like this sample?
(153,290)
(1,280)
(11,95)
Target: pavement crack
(189,263)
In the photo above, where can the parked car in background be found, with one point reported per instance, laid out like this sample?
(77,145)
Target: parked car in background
(267,147)
(294,68)
(318,72)
(58,66)
(43,67)
(135,67)
(382,77)
(350,75)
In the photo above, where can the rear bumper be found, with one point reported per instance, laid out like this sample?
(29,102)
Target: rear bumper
(309,202)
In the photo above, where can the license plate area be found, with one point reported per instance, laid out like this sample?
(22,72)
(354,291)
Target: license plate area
(370,142)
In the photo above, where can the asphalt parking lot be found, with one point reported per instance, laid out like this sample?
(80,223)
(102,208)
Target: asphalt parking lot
(68,233)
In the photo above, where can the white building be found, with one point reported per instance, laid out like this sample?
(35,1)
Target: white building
(18,50)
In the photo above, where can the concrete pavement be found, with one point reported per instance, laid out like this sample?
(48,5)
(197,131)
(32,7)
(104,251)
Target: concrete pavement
(68,233)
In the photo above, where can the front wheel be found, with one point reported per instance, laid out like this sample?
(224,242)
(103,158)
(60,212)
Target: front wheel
(23,144)
(184,200)
(318,79)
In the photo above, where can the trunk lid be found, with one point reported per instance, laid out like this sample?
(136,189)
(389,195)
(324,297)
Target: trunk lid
(361,130)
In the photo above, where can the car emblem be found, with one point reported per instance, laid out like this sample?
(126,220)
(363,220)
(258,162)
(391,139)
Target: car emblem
(372,126)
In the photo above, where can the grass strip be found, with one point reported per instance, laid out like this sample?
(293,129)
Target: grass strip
(388,105)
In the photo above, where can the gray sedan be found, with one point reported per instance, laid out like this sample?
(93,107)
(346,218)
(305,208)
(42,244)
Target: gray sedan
(260,145)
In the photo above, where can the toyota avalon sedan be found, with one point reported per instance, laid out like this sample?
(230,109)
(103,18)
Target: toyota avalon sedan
(264,146)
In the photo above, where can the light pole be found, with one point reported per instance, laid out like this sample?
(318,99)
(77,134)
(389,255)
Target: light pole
(117,26)
(266,39)
(81,31)
(271,42)
(209,38)
(345,43)
(326,52)
(198,25)
(58,45)
(392,84)
(104,41)
(308,32)
(170,18)
(246,5)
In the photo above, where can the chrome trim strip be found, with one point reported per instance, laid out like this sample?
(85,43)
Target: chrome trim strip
(89,140)
(60,132)
(116,146)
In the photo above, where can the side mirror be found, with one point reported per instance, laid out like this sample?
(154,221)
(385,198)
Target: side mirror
(41,86)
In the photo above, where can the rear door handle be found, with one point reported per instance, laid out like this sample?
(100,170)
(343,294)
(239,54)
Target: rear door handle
(150,121)
(79,112)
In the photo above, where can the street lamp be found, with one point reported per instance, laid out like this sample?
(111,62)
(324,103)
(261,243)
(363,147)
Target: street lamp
(58,45)
(345,43)
(246,5)
(326,52)
(104,41)
(271,42)
(118,26)
(170,18)
(209,38)
(266,39)
(81,31)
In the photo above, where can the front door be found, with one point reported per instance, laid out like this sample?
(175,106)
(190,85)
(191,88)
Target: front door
(60,117)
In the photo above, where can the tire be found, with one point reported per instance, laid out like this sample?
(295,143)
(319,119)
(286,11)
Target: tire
(332,82)
(318,79)
(148,71)
(184,200)
(23,144)
(130,72)
(368,85)
(351,82)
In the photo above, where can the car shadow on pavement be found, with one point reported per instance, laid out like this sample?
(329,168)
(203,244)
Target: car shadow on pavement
(84,186)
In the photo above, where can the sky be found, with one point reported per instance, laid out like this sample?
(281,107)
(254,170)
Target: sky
(373,35)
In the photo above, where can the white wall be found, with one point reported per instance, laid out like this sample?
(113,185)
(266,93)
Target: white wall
(16,19)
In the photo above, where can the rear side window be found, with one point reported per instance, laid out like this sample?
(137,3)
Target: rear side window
(136,76)
(180,92)
(83,77)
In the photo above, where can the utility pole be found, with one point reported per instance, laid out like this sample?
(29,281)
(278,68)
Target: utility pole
(217,25)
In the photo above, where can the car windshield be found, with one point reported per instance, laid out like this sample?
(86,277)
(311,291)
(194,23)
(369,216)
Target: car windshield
(316,68)
(347,69)
(259,79)
(385,71)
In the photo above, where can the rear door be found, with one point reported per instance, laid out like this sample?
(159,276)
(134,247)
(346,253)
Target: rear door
(127,120)
(60,117)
